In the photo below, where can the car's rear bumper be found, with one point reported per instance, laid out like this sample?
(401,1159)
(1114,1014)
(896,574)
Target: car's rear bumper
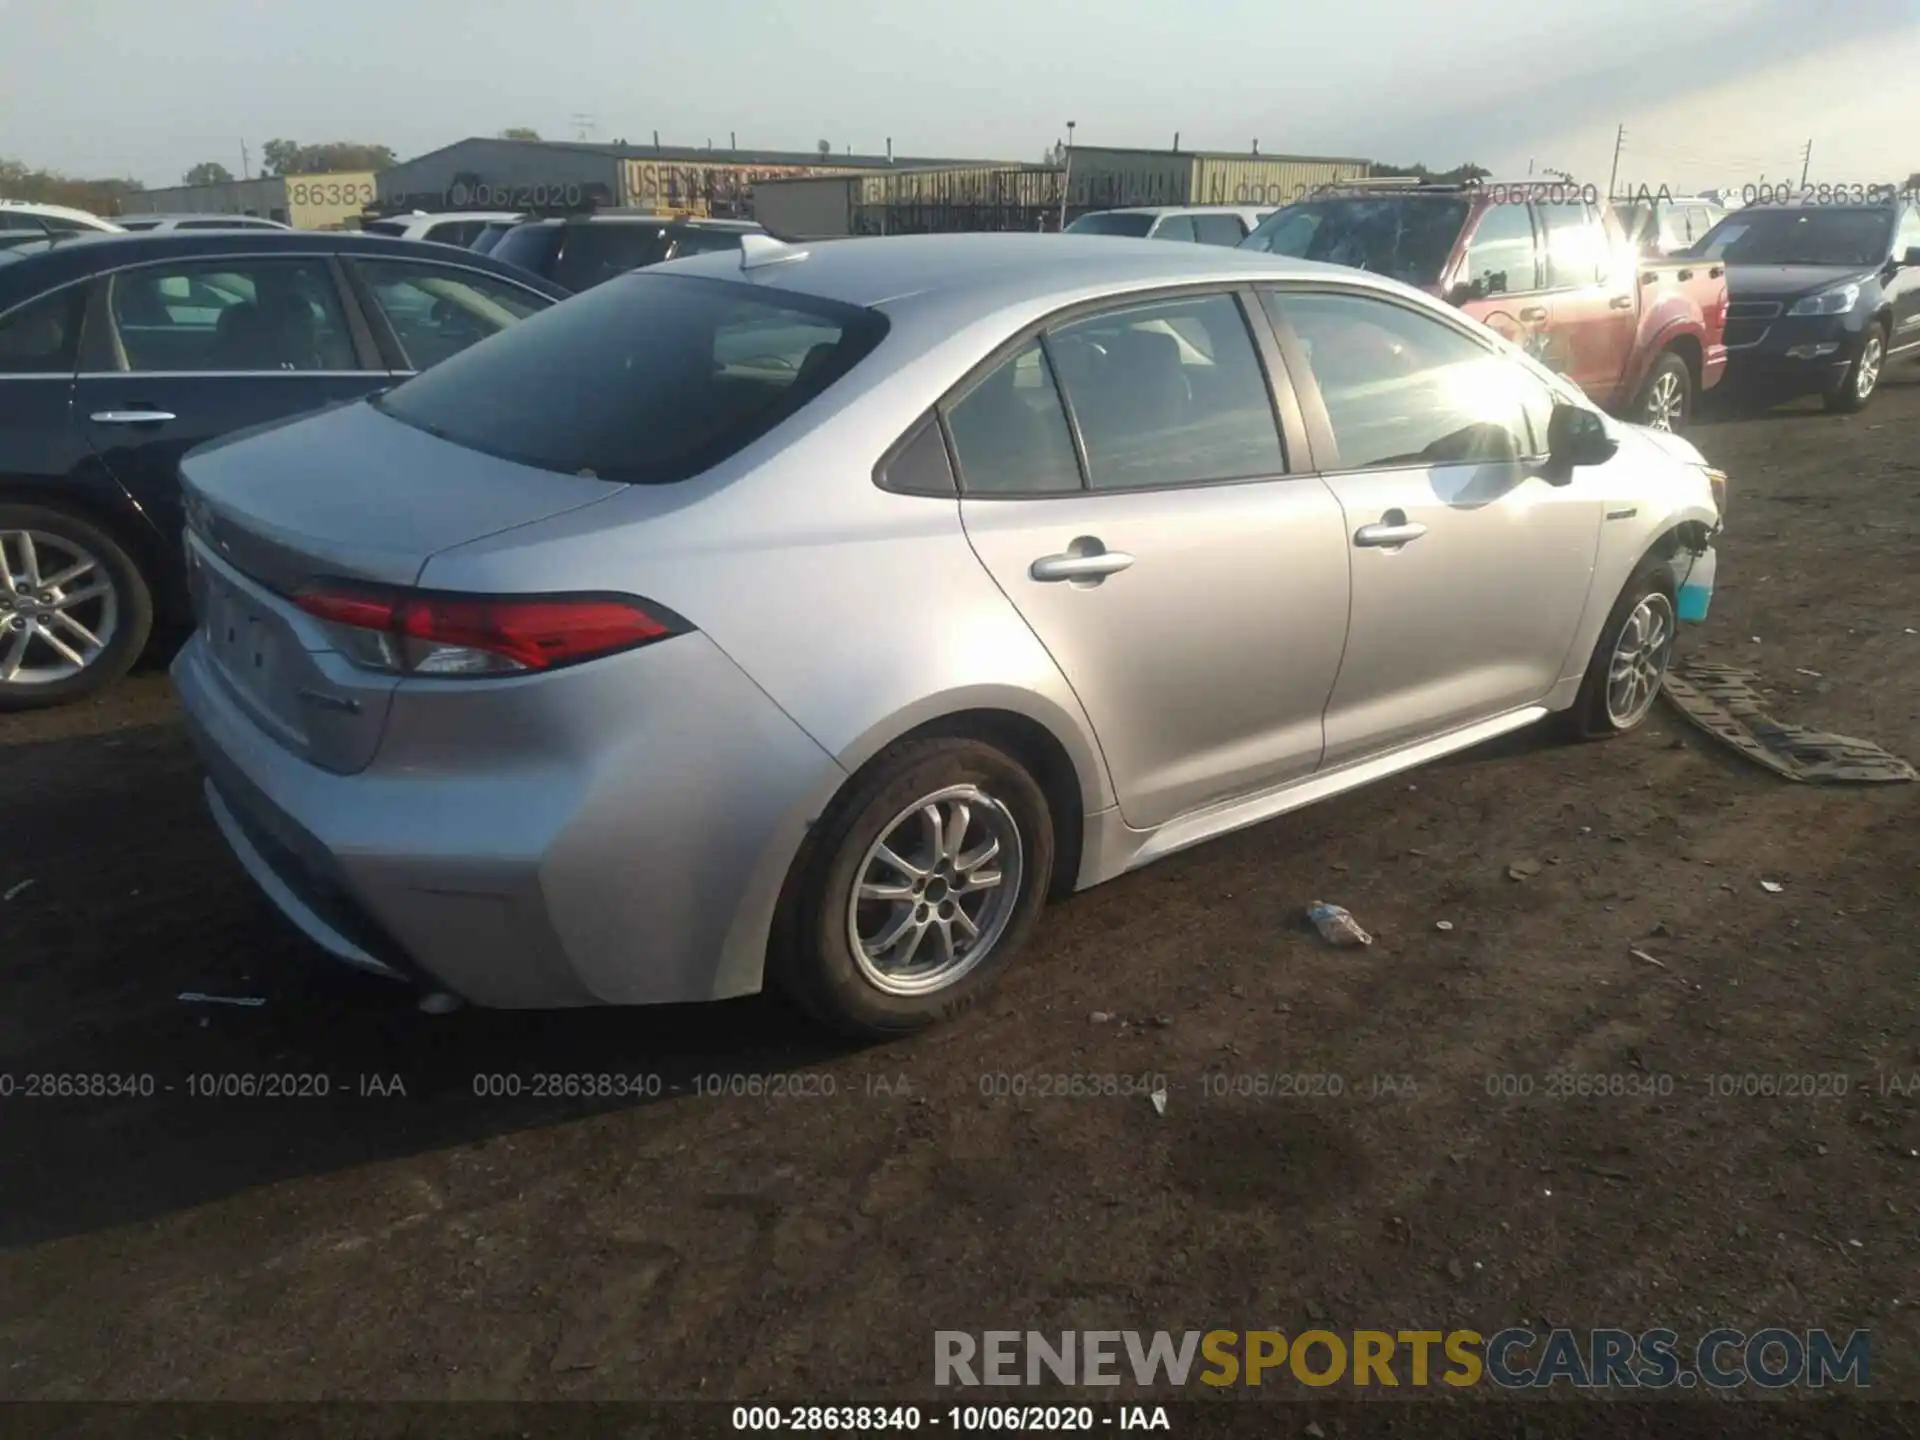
(617,833)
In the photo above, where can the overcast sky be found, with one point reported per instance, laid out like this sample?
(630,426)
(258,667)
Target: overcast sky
(1713,94)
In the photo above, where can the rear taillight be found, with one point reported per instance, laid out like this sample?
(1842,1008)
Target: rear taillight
(407,632)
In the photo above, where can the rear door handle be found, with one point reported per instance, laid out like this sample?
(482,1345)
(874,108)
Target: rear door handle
(1684,275)
(1388,533)
(1096,566)
(132,417)
(1621,302)
(1534,312)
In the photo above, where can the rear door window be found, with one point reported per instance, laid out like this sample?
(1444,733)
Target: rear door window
(437,311)
(1576,245)
(240,315)
(1219,229)
(1502,256)
(1010,431)
(1169,393)
(42,336)
(647,381)
(594,253)
(1175,227)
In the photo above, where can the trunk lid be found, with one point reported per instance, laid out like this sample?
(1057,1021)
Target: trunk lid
(349,494)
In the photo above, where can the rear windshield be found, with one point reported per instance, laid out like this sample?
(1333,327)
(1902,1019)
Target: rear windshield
(1112,223)
(531,247)
(385,227)
(1408,237)
(490,235)
(646,380)
(1799,237)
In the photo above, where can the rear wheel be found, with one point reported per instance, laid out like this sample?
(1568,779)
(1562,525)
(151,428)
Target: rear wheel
(1665,401)
(75,610)
(920,884)
(1863,377)
(1630,661)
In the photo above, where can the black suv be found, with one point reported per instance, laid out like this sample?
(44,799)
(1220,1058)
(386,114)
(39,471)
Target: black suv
(1820,297)
(579,252)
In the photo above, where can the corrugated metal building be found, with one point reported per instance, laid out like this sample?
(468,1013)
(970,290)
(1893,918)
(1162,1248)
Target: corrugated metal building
(490,174)
(1106,177)
(306,202)
(1027,197)
(971,197)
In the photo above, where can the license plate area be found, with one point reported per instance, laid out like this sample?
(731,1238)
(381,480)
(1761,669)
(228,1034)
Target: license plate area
(243,639)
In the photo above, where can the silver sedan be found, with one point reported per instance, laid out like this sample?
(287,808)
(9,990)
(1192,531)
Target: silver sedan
(813,617)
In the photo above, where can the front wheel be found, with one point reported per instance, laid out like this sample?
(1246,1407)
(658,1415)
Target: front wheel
(75,610)
(1630,661)
(921,883)
(1863,378)
(1665,401)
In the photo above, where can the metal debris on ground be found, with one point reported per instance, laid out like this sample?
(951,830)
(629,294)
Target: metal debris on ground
(1159,1098)
(1772,887)
(1722,700)
(1642,955)
(16,889)
(194,997)
(1337,926)
(1443,924)
(1524,869)
(1100,1017)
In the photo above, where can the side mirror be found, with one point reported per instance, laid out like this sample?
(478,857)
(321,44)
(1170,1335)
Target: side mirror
(1575,437)
(1912,257)
(1465,290)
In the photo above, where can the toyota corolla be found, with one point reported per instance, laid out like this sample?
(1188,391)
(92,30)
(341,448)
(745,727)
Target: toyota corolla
(810,618)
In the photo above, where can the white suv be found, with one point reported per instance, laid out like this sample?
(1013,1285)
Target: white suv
(1208,224)
(30,220)
(456,227)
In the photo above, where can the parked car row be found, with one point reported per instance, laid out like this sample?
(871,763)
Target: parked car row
(1645,305)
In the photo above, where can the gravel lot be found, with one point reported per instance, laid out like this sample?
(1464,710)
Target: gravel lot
(406,1238)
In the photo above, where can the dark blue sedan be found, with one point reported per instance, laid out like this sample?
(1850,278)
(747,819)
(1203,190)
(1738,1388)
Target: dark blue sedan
(119,353)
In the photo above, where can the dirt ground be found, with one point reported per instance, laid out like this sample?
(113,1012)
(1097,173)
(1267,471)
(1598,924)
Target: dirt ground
(439,1244)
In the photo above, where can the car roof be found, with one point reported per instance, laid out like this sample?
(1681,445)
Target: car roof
(434,217)
(986,272)
(1177,210)
(642,217)
(62,212)
(241,220)
(42,265)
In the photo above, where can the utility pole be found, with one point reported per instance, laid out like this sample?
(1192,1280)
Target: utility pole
(1806,160)
(245,172)
(1619,139)
(1066,176)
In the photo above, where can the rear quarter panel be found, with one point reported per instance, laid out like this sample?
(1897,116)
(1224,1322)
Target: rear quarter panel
(1682,306)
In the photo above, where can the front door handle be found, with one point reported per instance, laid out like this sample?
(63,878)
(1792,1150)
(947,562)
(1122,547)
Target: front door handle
(1096,565)
(1684,275)
(132,417)
(1621,302)
(1534,312)
(1392,530)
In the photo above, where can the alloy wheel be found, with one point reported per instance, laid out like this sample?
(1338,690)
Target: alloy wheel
(1666,402)
(1639,661)
(934,894)
(1867,374)
(59,610)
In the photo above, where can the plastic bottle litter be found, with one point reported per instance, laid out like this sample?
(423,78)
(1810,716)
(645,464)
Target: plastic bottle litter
(1336,926)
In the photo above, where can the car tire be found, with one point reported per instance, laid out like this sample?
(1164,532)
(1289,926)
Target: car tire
(108,603)
(1665,401)
(1856,392)
(1639,636)
(877,991)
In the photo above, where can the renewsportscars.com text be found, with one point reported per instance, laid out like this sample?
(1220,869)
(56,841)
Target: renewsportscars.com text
(1511,1359)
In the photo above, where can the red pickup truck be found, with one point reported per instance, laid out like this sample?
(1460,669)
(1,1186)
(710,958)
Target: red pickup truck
(1545,266)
